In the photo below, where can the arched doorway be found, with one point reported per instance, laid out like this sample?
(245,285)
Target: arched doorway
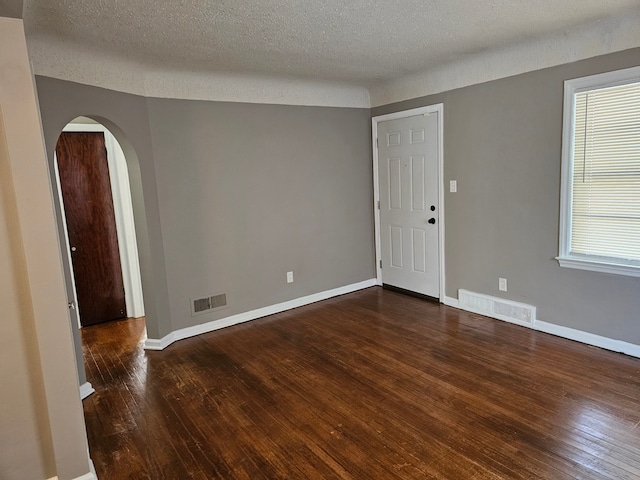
(116,183)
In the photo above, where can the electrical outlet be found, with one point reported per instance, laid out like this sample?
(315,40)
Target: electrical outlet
(453,186)
(502,284)
(289,277)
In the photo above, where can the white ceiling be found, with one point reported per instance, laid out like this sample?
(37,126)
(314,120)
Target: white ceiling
(362,43)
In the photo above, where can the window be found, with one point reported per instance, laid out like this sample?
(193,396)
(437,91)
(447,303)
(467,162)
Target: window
(600,199)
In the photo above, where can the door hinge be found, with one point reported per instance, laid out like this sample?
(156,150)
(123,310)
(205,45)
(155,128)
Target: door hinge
(376,142)
(378,204)
(380,263)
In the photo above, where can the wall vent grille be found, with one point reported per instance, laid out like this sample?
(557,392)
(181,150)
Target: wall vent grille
(495,307)
(201,304)
(208,304)
(218,301)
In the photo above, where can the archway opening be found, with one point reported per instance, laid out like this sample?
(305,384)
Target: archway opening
(123,179)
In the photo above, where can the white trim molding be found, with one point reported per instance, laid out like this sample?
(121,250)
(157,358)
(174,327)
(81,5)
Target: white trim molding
(451,302)
(439,109)
(87,476)
(581,336)
(92,475)
(567,258)
(86,389)
(594,265)
(164,342)
(589,338)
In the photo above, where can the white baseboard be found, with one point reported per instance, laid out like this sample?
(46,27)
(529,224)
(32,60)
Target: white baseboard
(564,332)
(86,389)
(92,470)
(164,342)
(92,475)
(450,301)
(589,338)
(86,476)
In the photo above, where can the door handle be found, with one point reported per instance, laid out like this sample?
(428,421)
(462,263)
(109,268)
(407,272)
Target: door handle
(73,249)
(432,221)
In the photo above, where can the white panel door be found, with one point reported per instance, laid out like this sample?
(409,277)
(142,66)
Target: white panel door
(408,189)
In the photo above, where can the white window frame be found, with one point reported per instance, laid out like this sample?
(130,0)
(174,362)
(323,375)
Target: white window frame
(565,257)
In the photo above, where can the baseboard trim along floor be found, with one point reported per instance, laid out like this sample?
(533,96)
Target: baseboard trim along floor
(535,324)
(164,342)
(614,345)
(86,389)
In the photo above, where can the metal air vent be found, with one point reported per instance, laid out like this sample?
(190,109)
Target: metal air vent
(208,304)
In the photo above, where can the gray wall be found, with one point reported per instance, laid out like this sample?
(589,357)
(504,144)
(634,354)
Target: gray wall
(236,195)
(11,8)
(126,116)
(249,192)
(502,143)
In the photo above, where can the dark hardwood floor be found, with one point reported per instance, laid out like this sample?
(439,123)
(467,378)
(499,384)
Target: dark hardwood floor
(371,385)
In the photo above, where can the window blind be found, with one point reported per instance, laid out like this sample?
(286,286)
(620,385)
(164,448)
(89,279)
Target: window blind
(606,173)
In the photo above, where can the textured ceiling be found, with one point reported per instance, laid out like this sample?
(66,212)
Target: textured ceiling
(358,41)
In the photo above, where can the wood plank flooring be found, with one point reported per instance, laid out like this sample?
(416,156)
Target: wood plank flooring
(370,385)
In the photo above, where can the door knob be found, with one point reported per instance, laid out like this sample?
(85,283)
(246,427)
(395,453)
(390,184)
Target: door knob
(73,249)
(432,221)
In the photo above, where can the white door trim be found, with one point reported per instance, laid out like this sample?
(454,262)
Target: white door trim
(123,210)
(439,108)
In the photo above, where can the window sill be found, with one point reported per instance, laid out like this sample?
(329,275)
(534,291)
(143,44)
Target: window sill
(596,265)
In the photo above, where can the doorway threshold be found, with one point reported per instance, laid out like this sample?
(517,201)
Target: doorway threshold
(410,293)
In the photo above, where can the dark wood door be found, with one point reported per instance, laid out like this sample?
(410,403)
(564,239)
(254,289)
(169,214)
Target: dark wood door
(88,205)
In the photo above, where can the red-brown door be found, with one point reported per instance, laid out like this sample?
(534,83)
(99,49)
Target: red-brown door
(88,205)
